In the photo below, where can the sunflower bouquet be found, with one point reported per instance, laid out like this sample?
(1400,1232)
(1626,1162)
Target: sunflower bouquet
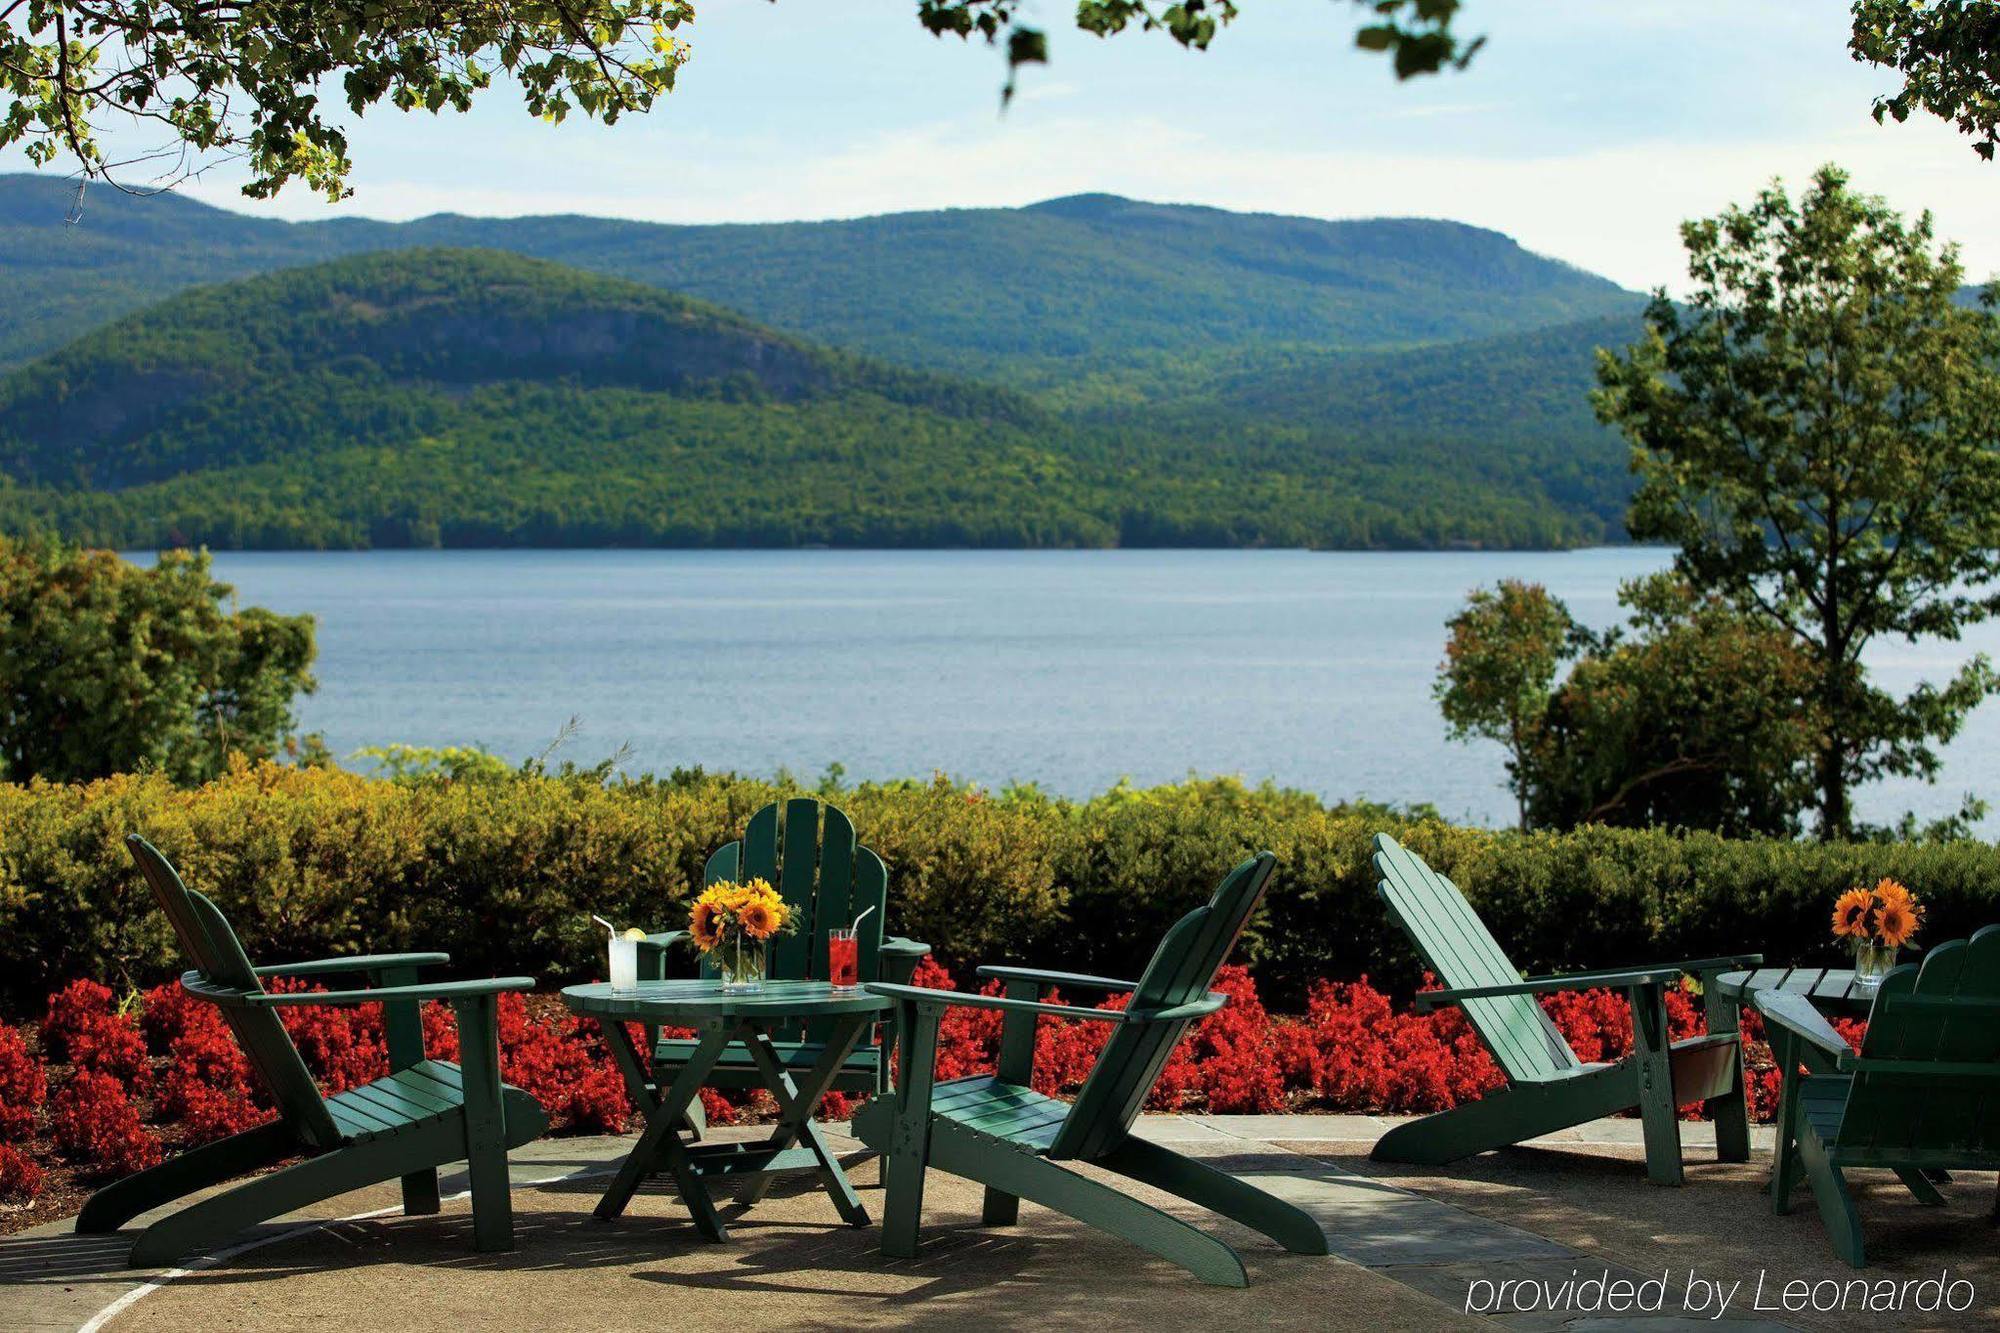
(1878,921)
(731,923)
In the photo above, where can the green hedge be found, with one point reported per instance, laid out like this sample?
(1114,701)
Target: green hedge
(504,874)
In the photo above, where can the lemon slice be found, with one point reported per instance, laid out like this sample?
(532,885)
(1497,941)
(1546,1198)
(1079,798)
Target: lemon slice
(634,933)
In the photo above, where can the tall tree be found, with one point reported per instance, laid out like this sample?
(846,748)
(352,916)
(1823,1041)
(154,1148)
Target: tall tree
(1698,717)
(1500,659)
(107,667)
(1816,425)
(245,77)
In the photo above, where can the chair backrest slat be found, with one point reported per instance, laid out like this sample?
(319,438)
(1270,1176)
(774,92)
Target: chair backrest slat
(217,955)
(1456,945)
(1907,1110)
(1181,971)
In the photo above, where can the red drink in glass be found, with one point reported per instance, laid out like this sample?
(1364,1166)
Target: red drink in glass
(843,959)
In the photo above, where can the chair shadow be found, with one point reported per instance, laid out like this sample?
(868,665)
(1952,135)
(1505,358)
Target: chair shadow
(67,1258)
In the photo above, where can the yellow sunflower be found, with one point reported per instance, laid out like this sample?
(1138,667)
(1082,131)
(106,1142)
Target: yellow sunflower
(704,925)
(1851,913)
(1889,891)
(760,920)
(1897,921)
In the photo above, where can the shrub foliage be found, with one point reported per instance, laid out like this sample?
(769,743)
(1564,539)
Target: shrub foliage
(504,873)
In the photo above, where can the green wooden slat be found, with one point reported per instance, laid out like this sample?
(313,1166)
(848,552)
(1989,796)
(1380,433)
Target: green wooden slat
(760,846)
(422,1091)
(871,889)
(723,864)
(400,1101)
(386,1107)
(1436,928)
(798,884)
(1012,1122)
(973,1108)
(355,1125)
(1463,953)
(1182,968)
(1455,948)
(434,1082)
(832,910)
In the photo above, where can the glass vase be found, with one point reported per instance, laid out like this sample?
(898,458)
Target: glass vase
(1872,962)
(741,964)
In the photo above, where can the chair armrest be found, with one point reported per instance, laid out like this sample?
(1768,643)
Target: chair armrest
(441,990)
(1689,967)
(663,939)
(946,999)
(1058,978)
(364,962)
(1796,1015)
(1213,1001)
(898,960)
(1427,1000)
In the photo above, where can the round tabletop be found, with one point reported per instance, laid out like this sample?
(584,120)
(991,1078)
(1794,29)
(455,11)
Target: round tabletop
(1828,987)
(691,1002)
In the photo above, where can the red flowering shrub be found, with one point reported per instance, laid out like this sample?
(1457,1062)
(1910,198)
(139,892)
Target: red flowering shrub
(83,1029)
(208,1085)
(95,1123)
(73,1011)
(23,1084)
(342,1045)
(20,1178)
(168,1010)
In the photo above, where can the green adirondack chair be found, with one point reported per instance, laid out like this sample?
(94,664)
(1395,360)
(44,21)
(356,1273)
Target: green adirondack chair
(1921,1099)
(808,851)
(1548,1088)
(425,1114)
(994,1129)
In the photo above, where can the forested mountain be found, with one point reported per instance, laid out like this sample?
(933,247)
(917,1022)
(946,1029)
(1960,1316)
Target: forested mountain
(1046,295)
(464,397)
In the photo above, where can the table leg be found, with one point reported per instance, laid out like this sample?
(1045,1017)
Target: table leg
(796,1104)
(1731,1111)
(631,1064)
(660,1142)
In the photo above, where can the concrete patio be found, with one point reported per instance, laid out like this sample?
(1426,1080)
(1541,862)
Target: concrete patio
(1411,1248)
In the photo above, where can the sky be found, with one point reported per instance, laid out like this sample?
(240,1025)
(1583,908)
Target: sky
(1586,130)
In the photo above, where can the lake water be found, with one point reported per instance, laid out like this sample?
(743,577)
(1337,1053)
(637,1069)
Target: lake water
(1067,668)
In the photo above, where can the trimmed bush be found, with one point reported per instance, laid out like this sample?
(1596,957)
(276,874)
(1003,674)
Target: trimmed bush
(504,874)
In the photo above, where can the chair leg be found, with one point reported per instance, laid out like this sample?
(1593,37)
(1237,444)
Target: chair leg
(485,1123)
(999,1208)
(1024,1175)
(1659,1118)
(1218,1191)
(211,1164)
(1920,1185)
(420,1193)
(908,1155)
(1836,1205)
(1730,1113)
